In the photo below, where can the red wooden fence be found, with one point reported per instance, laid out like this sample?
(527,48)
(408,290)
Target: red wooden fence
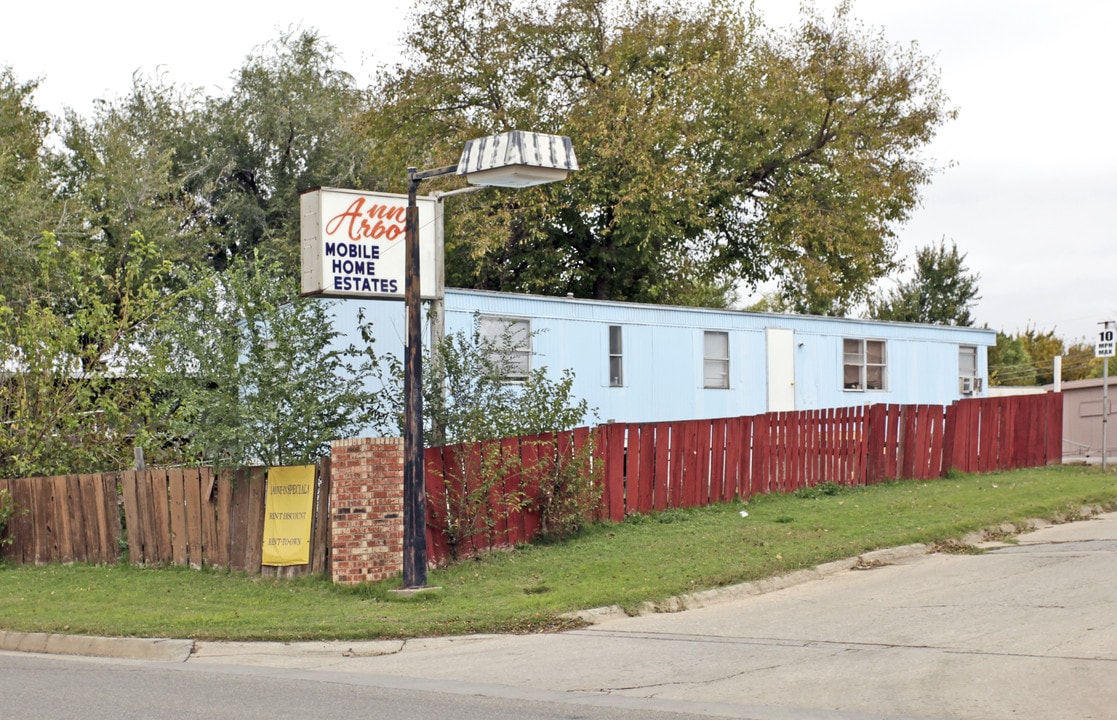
(648,467)
(189,517)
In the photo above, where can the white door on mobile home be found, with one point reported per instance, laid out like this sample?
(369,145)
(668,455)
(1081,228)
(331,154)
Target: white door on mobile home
(781,369)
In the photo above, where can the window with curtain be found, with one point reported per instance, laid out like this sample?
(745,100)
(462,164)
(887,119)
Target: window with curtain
(863,364)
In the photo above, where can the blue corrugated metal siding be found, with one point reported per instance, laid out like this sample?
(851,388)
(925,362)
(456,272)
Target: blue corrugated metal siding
(663,353)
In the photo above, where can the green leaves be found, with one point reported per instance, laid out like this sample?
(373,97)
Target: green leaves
(250,373)
(467,396)
(26,204)
(286,126)
(941,292)
(73,396)
(714,151)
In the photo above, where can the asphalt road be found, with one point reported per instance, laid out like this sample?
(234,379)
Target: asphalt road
(1026,630)
(39,687)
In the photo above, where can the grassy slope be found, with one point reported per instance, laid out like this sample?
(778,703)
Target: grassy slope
(645,558)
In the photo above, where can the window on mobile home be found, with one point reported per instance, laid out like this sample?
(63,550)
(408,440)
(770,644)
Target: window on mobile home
(863,364)
(511,340)
(616,357)
(715,359)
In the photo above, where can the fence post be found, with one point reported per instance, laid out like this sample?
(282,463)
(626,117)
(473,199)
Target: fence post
(1053,454)
(949,437)
(877,421)
(614,436)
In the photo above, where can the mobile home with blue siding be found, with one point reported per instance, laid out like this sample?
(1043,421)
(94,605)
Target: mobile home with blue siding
(650,363)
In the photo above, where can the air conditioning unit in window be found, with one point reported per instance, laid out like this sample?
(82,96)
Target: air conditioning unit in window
(965,385)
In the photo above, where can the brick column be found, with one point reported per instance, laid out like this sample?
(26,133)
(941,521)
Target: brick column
(366,509)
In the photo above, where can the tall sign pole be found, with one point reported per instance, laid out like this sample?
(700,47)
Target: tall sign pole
(414,488)
(414,478)
(1105,349)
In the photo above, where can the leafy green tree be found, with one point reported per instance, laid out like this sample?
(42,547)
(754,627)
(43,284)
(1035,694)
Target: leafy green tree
(27,205)
(155,185)
(714,151)
(1042,348)
(72,395)
(1028,358)
(1010,363)
(286,126)
(121,173)
(1079,362)
(1098,368)
(250,373)
(148,189)
(942,291)
(212,178)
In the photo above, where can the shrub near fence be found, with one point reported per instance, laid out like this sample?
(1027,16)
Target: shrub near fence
(500,492)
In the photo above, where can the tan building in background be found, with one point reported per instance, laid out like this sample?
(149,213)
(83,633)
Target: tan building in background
(1082,419)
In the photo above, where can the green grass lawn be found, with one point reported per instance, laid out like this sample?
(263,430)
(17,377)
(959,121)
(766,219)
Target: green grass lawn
(528,589)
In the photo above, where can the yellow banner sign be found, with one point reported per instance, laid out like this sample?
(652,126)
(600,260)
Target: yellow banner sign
(288,510)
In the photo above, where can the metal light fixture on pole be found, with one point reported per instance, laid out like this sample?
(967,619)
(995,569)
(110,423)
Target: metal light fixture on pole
(513,159)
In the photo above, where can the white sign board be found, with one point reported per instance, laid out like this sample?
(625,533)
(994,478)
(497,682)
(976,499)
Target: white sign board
(353,244)
(1107,343)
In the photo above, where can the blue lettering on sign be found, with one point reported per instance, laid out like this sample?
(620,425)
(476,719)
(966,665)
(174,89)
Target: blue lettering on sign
(353,250)
(353,267)
(354,271)
(365,285)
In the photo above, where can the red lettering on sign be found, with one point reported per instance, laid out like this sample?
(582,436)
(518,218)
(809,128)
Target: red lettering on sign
(378,222)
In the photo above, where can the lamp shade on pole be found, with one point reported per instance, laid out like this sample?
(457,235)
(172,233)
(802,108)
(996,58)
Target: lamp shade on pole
(517,159)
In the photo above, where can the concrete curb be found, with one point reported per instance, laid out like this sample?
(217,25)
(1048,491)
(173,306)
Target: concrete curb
(692,601)
(323,648)
(125,648)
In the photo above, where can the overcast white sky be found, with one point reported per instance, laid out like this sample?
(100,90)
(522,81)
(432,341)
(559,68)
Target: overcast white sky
(1029,195)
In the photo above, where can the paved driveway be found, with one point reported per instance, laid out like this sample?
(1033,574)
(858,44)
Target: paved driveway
(1022,631)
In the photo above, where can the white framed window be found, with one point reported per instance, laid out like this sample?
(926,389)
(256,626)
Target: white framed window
(510,343)
(616,356)
(715,359)
(968,380)
(864,364)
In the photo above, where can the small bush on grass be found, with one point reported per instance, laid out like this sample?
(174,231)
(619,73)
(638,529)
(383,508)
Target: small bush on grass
(7,511)
(826,489)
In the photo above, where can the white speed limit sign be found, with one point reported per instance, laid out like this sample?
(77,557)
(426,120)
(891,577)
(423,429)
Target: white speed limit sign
(1106,347)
